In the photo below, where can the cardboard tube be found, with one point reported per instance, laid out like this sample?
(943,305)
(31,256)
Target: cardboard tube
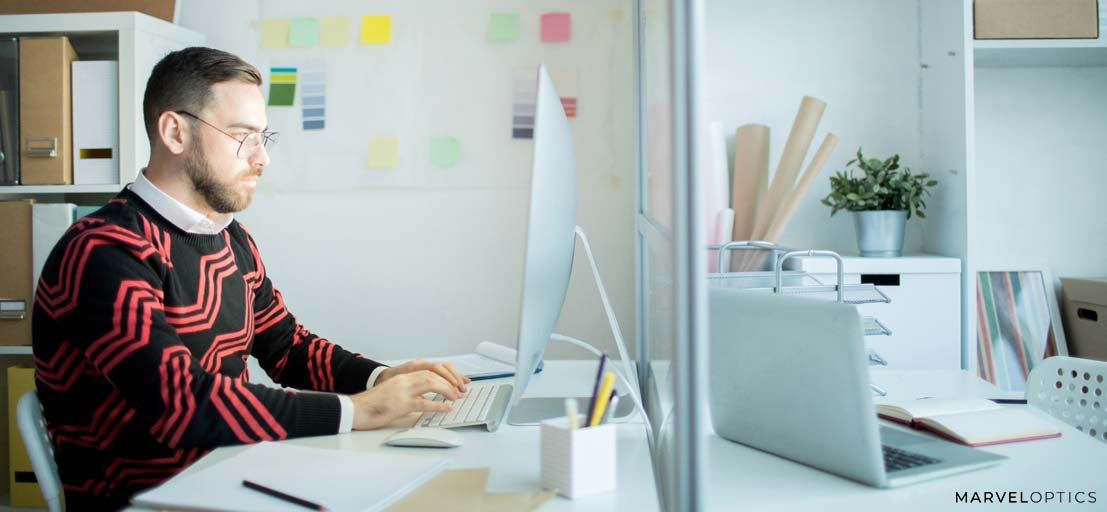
(784,215)
(795,150)
(751,176)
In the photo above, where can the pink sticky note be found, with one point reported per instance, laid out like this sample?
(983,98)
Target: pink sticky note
(556,27)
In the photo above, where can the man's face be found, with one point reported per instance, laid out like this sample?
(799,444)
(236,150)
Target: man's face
(221,174)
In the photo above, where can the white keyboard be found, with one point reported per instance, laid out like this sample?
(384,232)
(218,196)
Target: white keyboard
(483,404)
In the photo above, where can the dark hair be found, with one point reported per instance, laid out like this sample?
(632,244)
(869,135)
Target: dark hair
(182,80)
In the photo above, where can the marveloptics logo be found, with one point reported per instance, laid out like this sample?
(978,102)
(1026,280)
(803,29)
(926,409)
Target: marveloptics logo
(1017,497)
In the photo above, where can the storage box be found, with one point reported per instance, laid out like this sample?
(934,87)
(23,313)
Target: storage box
(924,314)
(1036,19)
(95,122)
(15,268)
(1085,304)
(45,111)
(21,476)
(163,9)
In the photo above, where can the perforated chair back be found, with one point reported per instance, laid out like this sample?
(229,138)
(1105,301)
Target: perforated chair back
(37,440)
(1072,389)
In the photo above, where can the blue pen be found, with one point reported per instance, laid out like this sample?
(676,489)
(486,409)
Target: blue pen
(596,387)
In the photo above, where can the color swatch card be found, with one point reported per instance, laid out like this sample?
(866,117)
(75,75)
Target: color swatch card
(384,152)
(376,29)
(556,27)
(444,151)
(524,92)
(274,33)
(566,84)
(313,101)
(303,32)
(282,87)
(334,31)
(503,27)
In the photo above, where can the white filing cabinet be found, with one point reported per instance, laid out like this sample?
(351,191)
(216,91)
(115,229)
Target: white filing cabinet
(924,315)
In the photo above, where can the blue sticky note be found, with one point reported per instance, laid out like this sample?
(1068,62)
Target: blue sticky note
(316,124)
(303,33)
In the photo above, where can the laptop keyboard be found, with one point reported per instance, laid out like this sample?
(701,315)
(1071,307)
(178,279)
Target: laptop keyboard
(471,409)
(897,460)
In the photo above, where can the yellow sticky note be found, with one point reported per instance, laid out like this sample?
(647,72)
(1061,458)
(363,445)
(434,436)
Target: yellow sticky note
(334,32)
(274,33)
(384,152)
(376,29)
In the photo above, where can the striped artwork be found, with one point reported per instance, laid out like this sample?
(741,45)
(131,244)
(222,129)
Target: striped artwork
(522,107)
(282,87)
(313,97)
(1014,327)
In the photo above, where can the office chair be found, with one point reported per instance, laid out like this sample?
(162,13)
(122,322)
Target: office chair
(1073,390)
(37,440)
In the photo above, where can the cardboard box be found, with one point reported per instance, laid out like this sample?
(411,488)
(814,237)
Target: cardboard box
(1085,302)
(163,9)
(45,111)
(1036,19)
(21,476)
(15,268)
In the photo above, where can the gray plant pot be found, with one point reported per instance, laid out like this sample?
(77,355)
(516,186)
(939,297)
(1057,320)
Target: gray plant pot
(880,233)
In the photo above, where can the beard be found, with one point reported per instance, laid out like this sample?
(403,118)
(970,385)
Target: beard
(221,196)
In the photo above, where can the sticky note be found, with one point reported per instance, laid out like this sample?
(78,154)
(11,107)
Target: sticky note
(314,124)
(444,151)
(556,27)
(376,29)
(384,152)
(303,33)
(281,95)
(334,32)
(503,27)
(274,33)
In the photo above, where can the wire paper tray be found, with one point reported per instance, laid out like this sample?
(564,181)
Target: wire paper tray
(873,327)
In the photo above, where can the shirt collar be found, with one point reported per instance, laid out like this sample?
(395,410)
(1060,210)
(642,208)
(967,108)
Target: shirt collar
(178,213)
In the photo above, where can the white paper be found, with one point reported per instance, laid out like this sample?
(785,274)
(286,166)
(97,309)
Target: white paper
(490,358)
(336,479)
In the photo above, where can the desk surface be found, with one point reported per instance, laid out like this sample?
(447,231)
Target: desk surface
(512,452)
(742,477)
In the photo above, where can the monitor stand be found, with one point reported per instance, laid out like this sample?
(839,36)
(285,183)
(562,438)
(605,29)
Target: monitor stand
(530,411)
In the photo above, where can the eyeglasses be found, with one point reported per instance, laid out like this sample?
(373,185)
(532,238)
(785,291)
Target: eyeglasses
(247,146)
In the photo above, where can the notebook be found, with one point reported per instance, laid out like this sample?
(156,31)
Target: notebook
(490,361)
(336,479)
(972,421)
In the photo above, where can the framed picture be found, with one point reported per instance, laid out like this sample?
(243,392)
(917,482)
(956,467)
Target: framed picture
(1017,325)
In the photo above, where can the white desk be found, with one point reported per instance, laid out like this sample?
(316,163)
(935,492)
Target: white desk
(512,452)
(740,477)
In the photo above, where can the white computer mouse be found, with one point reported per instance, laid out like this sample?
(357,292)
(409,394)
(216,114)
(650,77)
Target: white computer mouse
(426,437)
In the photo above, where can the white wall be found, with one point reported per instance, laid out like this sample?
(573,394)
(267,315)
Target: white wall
(397,273)
(859,56)
(1040,180)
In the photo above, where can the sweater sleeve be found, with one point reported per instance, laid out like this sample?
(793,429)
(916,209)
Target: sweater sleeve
(110,300)
(293,356)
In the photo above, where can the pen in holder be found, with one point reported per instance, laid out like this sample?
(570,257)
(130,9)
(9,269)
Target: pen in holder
(577,462)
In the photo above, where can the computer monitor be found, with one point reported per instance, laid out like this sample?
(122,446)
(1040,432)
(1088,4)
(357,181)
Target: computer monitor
(552,218)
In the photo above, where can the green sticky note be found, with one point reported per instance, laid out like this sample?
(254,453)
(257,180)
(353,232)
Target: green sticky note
(281,95)
(444,151)
(334,32)
(376,29)
(303,33)
(384,152)
(274,33)
(503,27)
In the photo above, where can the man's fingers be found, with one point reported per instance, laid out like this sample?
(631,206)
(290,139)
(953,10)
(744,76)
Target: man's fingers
(455,377)
(427,380)
(424,405)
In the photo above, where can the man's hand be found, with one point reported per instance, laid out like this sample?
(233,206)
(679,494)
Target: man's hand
(399,396)
(444,370)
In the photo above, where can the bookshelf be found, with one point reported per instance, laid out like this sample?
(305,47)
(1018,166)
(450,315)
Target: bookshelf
(1012,129)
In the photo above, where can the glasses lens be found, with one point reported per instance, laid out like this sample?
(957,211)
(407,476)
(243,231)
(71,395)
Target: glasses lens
(249,145)
(270,139)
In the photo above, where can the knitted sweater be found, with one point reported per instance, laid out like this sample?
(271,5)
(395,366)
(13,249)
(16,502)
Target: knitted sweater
(141,333)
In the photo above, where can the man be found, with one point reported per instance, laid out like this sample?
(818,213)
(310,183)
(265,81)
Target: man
(147,309)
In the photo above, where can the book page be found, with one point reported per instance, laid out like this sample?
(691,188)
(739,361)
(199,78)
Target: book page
(1005,424)
(928,407)
(475,364)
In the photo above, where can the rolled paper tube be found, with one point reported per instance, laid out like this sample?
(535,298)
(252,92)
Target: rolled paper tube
(788,209)
(751,177)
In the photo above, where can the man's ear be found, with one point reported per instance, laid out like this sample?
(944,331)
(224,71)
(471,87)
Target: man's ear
(173,132)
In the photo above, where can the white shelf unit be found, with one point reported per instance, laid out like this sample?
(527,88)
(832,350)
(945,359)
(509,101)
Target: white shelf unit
(137,41)
(1012,129)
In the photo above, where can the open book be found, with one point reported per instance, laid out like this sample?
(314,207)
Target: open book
(490,361)
(969,421)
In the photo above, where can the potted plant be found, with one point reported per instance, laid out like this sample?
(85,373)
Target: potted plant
(882,198)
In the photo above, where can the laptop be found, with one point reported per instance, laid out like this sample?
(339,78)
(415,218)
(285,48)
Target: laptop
(789,376)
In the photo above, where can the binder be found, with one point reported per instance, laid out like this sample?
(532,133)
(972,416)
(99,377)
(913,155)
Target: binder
(45,110)
(9,111)
(95,122)
(15,260)
(21,476)
(48,224)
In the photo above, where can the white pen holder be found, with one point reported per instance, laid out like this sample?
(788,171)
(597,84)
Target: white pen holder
(577,462)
